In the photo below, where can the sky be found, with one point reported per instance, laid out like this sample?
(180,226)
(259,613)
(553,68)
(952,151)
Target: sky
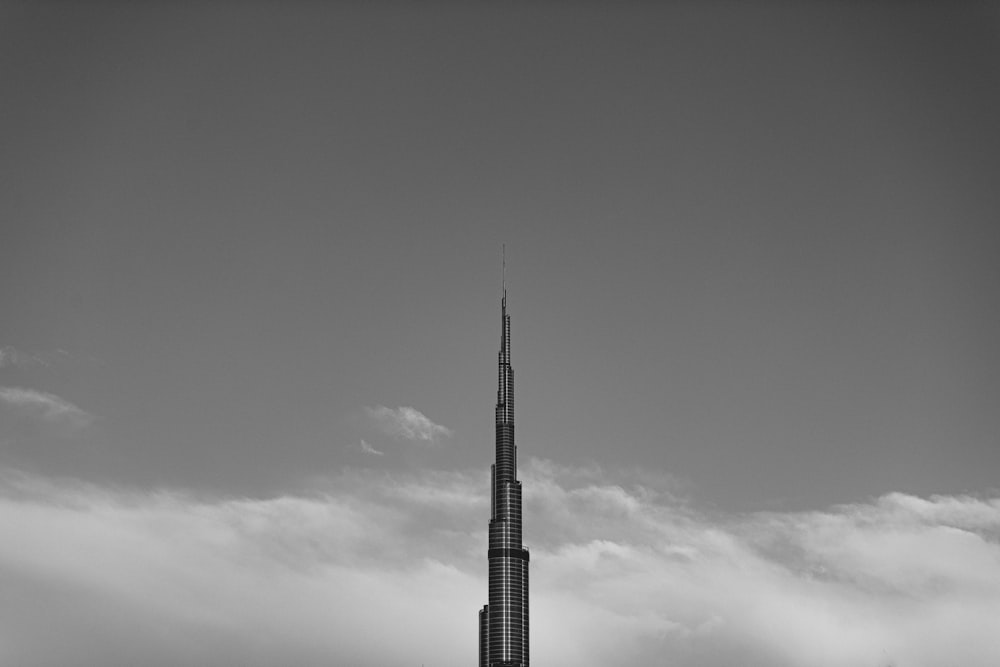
(249,311)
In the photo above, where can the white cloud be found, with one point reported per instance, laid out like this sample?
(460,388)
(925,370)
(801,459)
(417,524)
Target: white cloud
(407,423)
(44,406)
(10,356)
(368,449)
(51,360)
(620,575)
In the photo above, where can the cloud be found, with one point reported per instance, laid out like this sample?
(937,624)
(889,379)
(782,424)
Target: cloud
(622,573)
(407,423)
(368,449)
(57,360)
(9,356)
(166,578)
(45,407)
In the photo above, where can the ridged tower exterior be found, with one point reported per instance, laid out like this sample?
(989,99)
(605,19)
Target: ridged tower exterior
(503,623)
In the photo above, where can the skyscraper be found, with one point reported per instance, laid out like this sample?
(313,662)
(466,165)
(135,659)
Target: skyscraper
(503,623)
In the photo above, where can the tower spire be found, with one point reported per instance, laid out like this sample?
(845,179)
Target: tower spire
(503,622)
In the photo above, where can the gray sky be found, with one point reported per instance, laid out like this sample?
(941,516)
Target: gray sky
(250,267)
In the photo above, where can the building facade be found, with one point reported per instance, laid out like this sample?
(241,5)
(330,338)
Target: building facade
(503,623)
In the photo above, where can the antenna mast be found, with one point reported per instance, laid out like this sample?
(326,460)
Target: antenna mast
(503,271)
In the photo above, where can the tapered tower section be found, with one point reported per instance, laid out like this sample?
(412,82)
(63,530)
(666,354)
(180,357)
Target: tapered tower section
(503,623)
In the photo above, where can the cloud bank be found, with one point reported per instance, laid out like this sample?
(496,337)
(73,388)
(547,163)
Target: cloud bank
(622,573)
(407,424)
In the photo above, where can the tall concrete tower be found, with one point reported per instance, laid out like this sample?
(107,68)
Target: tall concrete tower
(503,623)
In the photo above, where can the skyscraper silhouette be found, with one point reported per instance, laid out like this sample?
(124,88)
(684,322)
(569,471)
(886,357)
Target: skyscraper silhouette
(503,623)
